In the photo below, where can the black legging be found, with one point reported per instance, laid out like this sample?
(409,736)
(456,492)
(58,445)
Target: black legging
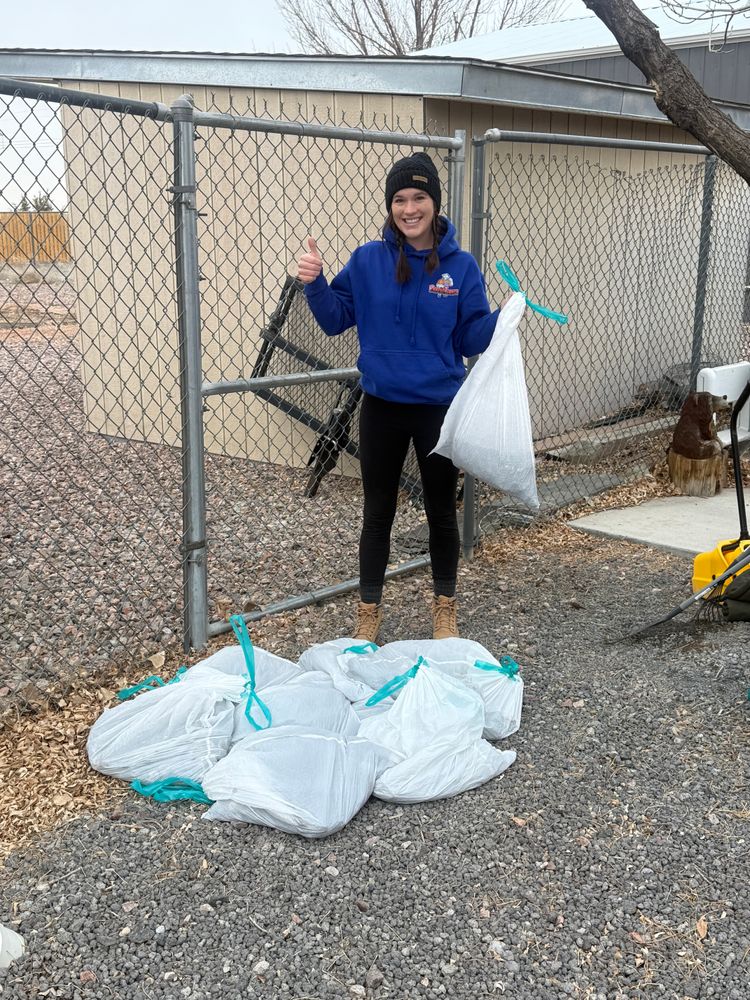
(385,430)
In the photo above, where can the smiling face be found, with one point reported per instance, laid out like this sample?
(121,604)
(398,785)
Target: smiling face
(413,211)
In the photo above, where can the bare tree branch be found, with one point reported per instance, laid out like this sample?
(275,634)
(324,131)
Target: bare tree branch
(677,92)
(395,27)
(720,13)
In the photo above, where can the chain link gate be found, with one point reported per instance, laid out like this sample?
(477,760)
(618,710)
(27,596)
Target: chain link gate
(650,261)
(280,398)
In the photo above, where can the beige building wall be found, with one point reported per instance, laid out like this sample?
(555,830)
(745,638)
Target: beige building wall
(263,194)
(607,236)
(729,266)
(121,236)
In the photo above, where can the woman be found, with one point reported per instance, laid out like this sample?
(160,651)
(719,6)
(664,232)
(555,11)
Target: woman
(420,307)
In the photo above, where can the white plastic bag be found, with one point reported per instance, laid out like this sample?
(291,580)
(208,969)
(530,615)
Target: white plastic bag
(269,668)
(431,708)
(438,772)
(370,665)
(309,700)
(500,687)
(331,658)
(498,682)
(435,728)
(176,731)
(487,429)
(295,779)
(364,710)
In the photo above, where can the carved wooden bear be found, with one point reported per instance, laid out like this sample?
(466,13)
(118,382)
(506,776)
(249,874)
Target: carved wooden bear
(696,458)
(695,433)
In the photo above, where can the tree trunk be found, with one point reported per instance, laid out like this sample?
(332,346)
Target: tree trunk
(696,477)
(678,93)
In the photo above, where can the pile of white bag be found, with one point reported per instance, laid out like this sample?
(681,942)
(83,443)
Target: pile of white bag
(301,747)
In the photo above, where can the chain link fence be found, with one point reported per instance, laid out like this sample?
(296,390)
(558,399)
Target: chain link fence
(649,261)
(179,438)
(88,388)
(135,452)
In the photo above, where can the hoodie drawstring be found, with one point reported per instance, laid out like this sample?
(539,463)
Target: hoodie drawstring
(412,332)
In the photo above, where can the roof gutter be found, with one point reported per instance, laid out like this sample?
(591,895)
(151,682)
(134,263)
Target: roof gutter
(450,79)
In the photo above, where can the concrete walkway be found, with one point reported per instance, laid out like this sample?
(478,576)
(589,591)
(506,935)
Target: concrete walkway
(686,525)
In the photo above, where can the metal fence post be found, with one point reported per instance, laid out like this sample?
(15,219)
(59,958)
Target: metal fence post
(194,577)
(456,175)
(704,256)
(478,214)
(471,487)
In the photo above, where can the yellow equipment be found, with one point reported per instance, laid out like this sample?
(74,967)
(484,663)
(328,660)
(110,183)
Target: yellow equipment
(708,566)
(716,571)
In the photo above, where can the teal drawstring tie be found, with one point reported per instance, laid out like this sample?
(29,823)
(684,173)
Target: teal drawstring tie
(507,274)
(149,684)
(508,667)
(240,630)
(367,647)
(172,790)
(394,684)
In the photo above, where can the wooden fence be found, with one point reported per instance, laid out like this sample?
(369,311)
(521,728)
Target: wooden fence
(38,237)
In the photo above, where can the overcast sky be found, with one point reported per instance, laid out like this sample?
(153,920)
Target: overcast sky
(30,162)
(188,25)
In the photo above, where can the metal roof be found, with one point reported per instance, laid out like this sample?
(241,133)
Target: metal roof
(581,37)
(447,78)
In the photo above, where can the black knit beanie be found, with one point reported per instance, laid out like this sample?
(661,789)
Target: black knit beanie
(416,171)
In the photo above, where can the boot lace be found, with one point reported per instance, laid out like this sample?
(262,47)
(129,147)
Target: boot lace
(368,615)
(368,620)
(445,615)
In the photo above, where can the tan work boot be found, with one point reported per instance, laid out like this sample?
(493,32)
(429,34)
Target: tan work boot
(444,623)
(369,620)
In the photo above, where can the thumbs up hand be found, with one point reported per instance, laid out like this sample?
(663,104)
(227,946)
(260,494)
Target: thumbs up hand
(310,264)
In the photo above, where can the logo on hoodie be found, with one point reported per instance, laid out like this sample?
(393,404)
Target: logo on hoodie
(443,286)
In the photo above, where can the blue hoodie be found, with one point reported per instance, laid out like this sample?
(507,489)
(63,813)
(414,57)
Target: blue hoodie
(412,337)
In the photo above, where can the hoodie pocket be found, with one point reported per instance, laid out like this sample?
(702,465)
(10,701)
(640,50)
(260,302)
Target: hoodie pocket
(409,376)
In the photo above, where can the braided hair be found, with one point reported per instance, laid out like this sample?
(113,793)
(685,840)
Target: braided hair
(403,270)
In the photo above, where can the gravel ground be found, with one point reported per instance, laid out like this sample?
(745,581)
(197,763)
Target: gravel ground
(610,862)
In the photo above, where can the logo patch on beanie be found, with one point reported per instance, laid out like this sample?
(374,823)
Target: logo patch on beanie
(419,177)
